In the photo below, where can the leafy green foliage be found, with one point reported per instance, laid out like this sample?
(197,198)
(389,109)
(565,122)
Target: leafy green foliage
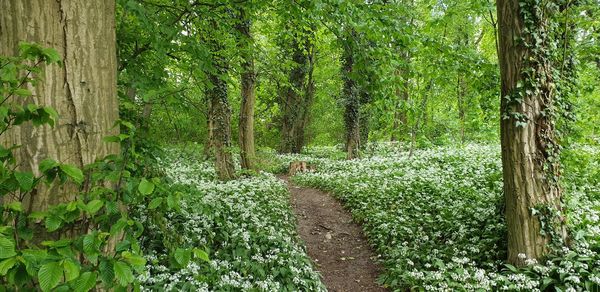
(79,244)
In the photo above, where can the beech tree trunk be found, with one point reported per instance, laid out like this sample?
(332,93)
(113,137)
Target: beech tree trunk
(529,149)
(299,95)
(83,90)
(248,90)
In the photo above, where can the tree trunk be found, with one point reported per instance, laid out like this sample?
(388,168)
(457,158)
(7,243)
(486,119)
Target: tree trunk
(529,148)
(298,96)
(220,116)
(83,91)
(351,102)
(248,78)
(461,90)
(400,124)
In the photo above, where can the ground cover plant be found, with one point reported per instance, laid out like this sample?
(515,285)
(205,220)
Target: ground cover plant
(436,218)
(245,226)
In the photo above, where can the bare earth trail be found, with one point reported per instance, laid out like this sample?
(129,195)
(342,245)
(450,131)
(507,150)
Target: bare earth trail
(335,243)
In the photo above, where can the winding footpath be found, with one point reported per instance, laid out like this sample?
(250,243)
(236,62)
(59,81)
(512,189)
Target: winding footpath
(334,242)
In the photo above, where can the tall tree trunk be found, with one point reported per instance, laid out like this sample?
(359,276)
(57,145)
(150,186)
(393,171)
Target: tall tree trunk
(83,90)
(461,90)
(351,101)
(400,124)
(248,77)
(220,115)
(529,147)
(299,95)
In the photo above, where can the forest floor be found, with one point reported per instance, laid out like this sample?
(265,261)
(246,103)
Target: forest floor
(334,242)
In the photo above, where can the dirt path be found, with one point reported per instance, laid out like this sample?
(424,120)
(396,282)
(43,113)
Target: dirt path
(336,244)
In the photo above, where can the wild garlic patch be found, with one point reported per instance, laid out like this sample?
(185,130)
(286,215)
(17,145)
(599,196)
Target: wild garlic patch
(245,225)
(437,218)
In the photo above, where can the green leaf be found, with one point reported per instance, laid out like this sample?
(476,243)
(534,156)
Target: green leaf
(7,248)
(51,55)
(49,275)
(6,265)
(73,172)
(123,273)
(47,164)
(155,203)
(52,114)
(146,187)
(71,270)
(25,180)
(22,92)
(52,223)
(93,206)
(183,256)
(134,260)
(201,254)
(15,206)
(85,283)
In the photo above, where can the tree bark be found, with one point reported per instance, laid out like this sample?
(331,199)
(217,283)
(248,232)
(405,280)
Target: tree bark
(299,95)
(529,148)
(220,115)
(461,91)
(248,90)
(400,124)
(351,97)
(83,90)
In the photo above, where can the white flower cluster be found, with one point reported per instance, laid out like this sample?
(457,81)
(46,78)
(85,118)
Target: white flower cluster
(437,218)
(246,226)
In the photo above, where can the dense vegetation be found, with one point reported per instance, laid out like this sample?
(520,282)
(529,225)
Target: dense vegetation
(140,141)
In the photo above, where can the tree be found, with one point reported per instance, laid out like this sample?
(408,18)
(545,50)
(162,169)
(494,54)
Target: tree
(82,90)
(299,93)
(219,113)
(529,141)
(351,97)
(248,90)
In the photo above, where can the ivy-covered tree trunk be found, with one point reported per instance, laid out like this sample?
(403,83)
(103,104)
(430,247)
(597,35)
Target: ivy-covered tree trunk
(351,98)
(299,94)
(83,90)
(248,77)
(220,117)
(400,124)
(528,136)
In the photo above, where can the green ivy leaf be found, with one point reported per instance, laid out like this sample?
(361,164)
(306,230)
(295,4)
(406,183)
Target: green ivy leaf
(73,172)
(85,282)
(7,248)
(123,273)
(49,275)
(6,265)
(146,187)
